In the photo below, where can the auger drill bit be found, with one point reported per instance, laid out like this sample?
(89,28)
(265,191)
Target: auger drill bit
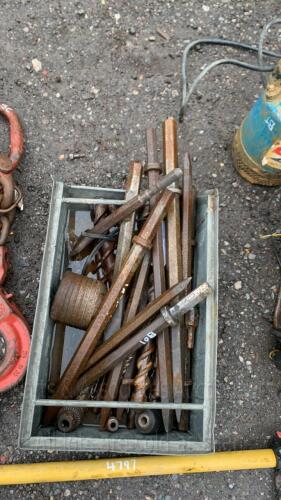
(105,258)
(145,363)
(136,299)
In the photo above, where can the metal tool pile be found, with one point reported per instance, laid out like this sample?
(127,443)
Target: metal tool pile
(136,305)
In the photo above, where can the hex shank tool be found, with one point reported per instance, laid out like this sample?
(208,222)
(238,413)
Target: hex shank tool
(123,249)
(138,321)
(188,196)
(124,211)
(159,280)
(174,259)
(167,316)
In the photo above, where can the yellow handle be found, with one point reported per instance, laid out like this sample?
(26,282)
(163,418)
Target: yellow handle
(136,466)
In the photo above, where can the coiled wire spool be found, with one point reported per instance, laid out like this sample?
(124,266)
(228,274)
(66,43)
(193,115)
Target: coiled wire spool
(77,300)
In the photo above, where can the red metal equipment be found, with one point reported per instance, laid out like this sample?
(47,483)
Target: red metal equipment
(14,332)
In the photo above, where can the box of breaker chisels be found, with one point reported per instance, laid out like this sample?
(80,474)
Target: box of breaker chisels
(123,355)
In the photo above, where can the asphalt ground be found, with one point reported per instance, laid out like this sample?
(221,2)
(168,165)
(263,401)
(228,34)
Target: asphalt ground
(105,74)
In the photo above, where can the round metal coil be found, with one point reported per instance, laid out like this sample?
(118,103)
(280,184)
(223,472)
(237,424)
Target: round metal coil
(77,300)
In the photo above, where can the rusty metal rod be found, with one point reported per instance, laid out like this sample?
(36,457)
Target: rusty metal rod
(187,217)
(137,322)
(56,356)
(137,301)
(166,316)
(97,326)
(188,208)
(187,251)
(114,378)
(100,392)
(127,226)
(159,279)
(124,245)
(174,259)
(142,381)
(126,383)
(155,389)
(125,210)
(139,288)
(123,248)
(69,418)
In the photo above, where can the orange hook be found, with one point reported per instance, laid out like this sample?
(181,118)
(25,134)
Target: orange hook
(10,161)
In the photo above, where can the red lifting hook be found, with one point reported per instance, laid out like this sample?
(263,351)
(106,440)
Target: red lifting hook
(10,161)
(15,343)
(14,332)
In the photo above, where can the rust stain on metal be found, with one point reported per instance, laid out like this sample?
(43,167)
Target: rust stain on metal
(56,359)
(188,201)
(138,289)
(144,366)
(127,226)
(163,341)
(137,299)
(187,217)
(124,245)
(69,418)
(96,328)
(137,322)
(125,210)
(104,262)
(174,258)
(142,336)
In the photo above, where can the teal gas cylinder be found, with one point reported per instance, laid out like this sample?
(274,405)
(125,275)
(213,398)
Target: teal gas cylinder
(257,143)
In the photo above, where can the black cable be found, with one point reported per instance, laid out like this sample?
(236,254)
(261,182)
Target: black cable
(261,42)
(186,92)
(211,66)
(218,41)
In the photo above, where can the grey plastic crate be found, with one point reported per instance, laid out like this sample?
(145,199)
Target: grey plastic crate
(199,439)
